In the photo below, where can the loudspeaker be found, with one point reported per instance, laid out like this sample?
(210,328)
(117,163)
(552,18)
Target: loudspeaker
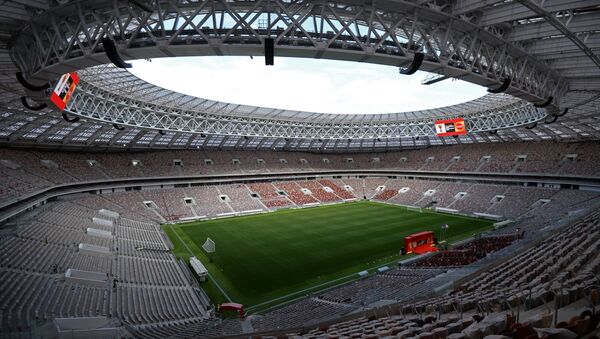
(269,51)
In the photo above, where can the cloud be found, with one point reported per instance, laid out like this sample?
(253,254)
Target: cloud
(304,84)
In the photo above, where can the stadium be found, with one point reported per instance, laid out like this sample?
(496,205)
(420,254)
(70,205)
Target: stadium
(132,210)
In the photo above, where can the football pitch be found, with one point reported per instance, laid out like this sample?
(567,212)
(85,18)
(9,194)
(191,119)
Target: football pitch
(264,259)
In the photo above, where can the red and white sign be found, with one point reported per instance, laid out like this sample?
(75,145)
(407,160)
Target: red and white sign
(446,128)
(64,89)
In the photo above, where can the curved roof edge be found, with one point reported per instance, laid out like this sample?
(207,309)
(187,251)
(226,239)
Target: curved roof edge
(123,83)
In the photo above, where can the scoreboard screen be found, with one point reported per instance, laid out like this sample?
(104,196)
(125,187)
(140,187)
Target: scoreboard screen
(64,89)
(446,128)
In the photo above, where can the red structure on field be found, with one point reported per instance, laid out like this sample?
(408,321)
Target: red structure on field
(419,243)
(232,307)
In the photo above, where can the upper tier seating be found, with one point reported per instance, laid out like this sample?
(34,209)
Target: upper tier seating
(29,171)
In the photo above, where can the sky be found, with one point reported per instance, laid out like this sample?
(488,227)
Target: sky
(312,85)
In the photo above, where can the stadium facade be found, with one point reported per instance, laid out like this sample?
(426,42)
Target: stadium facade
(86,189)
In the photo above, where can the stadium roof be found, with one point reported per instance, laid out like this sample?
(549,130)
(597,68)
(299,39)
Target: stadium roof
(123,83)
(548,49)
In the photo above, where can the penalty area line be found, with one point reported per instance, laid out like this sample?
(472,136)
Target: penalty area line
(192,254)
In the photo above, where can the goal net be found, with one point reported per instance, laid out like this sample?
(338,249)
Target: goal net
(209,246)
(414,208)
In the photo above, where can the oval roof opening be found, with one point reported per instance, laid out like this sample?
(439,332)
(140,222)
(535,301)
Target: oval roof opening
(311,85)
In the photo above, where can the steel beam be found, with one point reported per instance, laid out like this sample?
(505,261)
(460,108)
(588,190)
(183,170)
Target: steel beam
(387,33)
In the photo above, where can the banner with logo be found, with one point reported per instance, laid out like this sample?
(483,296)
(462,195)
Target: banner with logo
(446,128)
(64,89)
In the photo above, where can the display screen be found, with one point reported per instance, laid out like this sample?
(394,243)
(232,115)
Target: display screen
(64,89)
(446,128)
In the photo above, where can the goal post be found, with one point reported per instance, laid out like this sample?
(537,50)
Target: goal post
(414,208)
(210,247)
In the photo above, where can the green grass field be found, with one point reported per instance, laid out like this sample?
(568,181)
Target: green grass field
(270,256)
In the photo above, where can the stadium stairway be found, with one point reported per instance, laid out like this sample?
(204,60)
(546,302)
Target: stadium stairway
(516,166)
(101,171)
(231,210)
(160,217)
(455,200)
(494,203)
